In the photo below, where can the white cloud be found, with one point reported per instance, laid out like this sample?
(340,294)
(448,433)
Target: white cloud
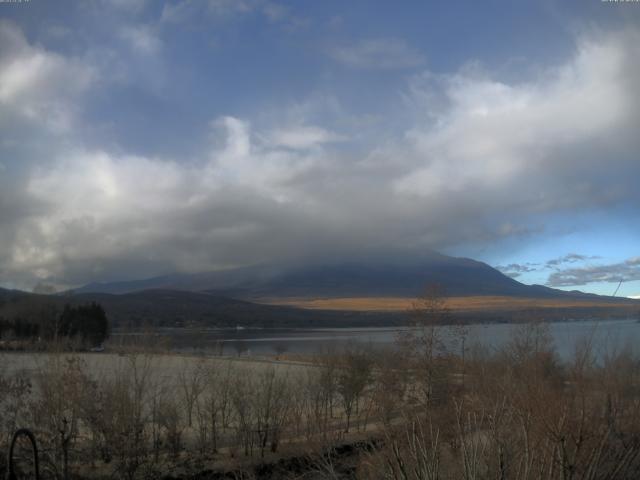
(142,39)
(126,5)
(378,53)
(58,31)
(105,206)
(36,84)
(228,9)
(302,137)
(93,198)
(489,135)
(265,167)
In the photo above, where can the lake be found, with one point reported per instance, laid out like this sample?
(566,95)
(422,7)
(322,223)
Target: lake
(607,336)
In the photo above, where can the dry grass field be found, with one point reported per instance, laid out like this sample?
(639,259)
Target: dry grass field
(461,304)
(169,367)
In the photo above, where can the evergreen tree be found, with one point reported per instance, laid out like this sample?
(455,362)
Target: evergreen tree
(87,321)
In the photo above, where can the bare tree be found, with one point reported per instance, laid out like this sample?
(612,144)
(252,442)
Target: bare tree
(353,378)
(191,381)
(424,340)
(171,421)
(240,395)
(271,405)
(61,384)
(391,381)
(213,407)
(412,453)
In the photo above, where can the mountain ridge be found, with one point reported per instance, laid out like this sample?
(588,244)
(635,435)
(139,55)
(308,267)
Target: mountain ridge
(459,276)
(176,308)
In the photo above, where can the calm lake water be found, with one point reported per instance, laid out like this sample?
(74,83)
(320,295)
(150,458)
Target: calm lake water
(606,335)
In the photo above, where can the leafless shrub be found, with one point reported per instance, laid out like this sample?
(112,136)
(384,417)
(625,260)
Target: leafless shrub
(412,452)
(191,381)
(61,383)
(272,403)
(425,345)
(15,392)
(171,422)
(353,378)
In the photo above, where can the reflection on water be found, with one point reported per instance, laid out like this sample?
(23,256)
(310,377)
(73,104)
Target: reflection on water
(606,335)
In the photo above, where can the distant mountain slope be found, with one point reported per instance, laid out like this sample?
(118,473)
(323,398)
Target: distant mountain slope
(175,308)
(458,276)
(6,294)
(178,308)
(182,308)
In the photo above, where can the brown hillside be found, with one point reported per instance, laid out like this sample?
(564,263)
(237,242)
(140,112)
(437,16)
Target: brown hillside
(464,304)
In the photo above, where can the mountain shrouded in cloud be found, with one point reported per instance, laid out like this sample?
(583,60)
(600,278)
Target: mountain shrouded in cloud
(123,157)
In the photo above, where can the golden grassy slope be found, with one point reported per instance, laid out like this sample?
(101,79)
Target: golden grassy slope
(474,303)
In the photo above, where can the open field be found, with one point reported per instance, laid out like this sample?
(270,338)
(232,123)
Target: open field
(461,304)
(167,367)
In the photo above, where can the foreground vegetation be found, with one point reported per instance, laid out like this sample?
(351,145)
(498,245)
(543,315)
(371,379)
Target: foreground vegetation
(431,408)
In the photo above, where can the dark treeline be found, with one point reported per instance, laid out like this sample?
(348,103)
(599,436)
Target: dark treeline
(86,323)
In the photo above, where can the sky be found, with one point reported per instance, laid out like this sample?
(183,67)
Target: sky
(140,138)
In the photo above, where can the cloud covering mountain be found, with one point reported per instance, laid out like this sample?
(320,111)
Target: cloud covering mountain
(111,169)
